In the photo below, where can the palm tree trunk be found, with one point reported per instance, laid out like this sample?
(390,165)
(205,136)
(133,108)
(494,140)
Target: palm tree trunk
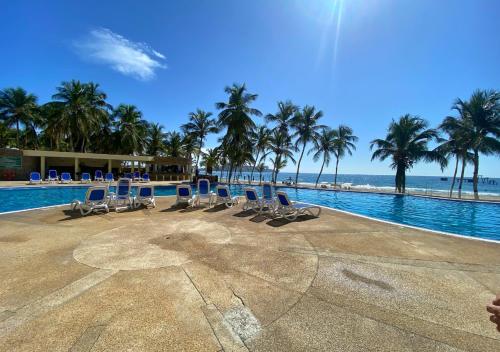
(320,171)
(454,178)
(403,180)
(475,175)
(17,134)
(336,171)
(461,178)
(230,173)
(298,164)
(253,167)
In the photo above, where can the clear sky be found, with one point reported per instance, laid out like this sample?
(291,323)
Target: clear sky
(363,62)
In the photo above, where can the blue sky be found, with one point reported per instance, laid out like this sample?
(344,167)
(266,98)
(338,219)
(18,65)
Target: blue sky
(363,62)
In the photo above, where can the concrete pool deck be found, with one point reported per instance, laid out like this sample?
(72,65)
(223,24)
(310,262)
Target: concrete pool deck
(227,280)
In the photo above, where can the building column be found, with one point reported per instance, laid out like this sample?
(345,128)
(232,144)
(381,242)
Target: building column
(77,167)
(133,166)
(110,165)
(42,166)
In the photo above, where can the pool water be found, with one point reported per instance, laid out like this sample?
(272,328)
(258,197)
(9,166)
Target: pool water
(464,218)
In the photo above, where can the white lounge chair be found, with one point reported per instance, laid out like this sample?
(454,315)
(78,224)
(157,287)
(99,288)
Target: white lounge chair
(109,177)
(137,176)
(203,193)
(96,199)
(66,177)
(35,178)
(121,199)
(291,210)
(184,195)
(268,200)
(85,178)
(53,176)
(98,176)
(223,196)
(252,200)
(145,196)
(145,178)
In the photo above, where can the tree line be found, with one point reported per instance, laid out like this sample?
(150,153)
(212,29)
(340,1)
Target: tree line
(80,119)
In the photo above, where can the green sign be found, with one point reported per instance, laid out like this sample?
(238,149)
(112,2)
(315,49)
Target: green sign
(11,162)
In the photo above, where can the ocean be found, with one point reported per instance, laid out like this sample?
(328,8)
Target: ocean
(386,182)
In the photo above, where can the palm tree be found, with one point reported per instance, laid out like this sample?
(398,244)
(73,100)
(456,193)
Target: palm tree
(199,126)
(282,147)
(98,111)
(344,143)
(282,118)
(406,143)
(260,169)
(305,124)
(155,139)
(173,144)
(483,114)
(457,145)
(17,107)
(261,142)
(131,129)
(324,146)
(6,134)
(236,118)
(210,159)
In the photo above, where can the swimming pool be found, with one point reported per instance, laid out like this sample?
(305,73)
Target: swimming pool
(472,219)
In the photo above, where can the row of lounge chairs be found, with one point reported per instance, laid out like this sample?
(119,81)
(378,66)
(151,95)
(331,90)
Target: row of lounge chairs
(99,198)
(278,205)
(35,177)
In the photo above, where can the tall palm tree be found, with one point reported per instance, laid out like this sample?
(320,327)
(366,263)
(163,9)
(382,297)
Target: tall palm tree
(173,144)
(260,169)
(406,143)
(282,147)
(154,140)
(344,143)
(131,129)
(305,124)
(98,111)
(324,147)
(483,112)
(199,126)
(261,142)
(286,111)
(236,117)
(17,107)
(6,135)
(210,159)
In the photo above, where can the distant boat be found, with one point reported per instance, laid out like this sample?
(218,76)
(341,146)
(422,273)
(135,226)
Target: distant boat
(444,178)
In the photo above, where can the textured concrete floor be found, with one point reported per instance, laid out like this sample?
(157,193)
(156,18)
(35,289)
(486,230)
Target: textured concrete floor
(223,279)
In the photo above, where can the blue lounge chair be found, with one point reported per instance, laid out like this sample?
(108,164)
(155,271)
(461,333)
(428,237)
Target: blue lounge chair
(98,176)
(85,178)
(66,177)
(223,196)
(145,178)
(291,210)
(145,196)
(268,199)
(184,194)
(96,199)
(128,175)
(122,199)
(35,178)
(109,177)
(137,176)
(53,176)
(203,193)
(252,200)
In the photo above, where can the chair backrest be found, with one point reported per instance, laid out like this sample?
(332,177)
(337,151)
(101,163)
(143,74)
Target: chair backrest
(137,174)
(123,187)
(146,192)
(203,186)
(127,175)
(251,194)
(109,176)
(85,176)
(35,176)
(145,177)
(184,191)
(223,191)
(96,194)
(52,174)
(98,174)
(267,191)
(65,176)
(283,198)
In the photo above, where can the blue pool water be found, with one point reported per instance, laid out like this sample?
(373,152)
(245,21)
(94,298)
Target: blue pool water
(464,218)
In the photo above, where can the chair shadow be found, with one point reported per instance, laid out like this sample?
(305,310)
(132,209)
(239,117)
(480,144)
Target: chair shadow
(278,222)
(215,209)
(75,214)
(174,208)
(260,218)
(245,213)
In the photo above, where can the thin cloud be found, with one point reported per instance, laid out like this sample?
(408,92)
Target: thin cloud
(130,58)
